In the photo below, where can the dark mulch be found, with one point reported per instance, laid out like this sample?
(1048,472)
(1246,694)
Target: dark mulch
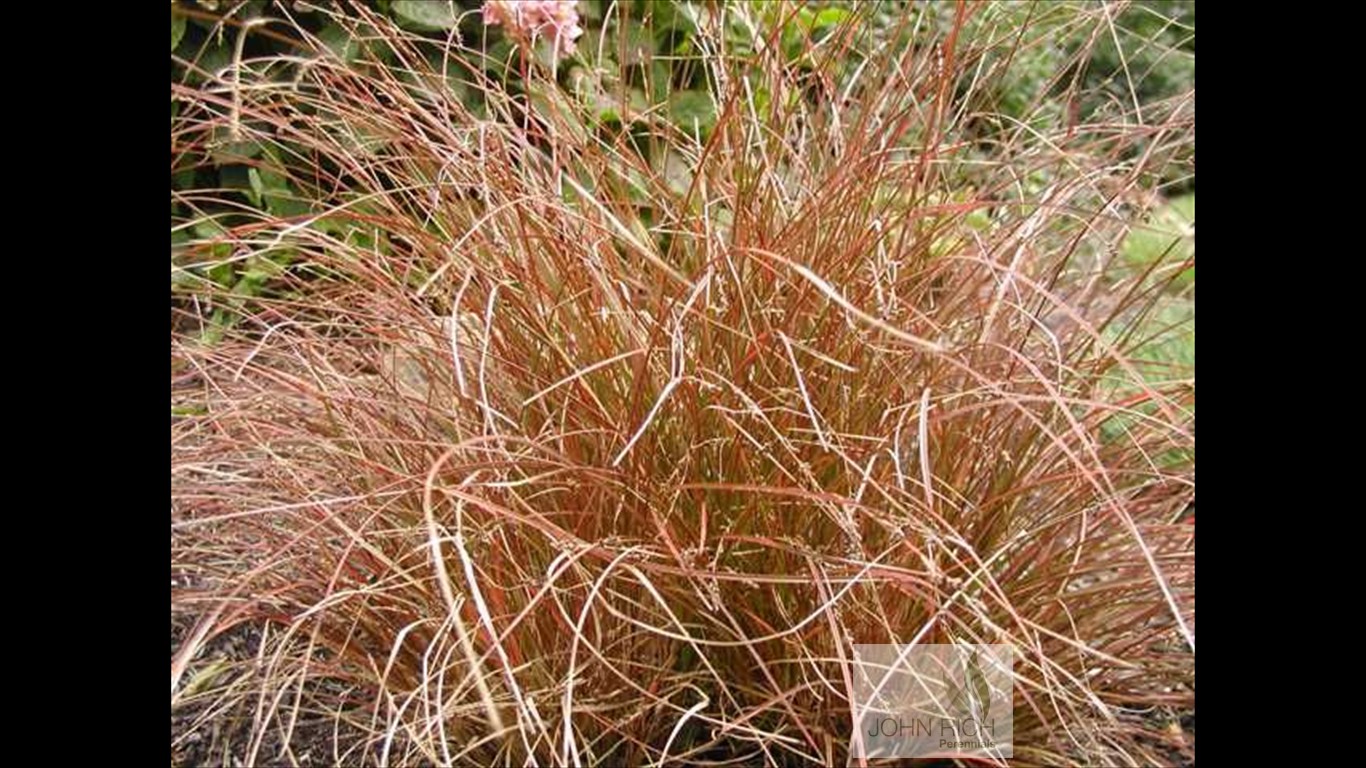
(204,732)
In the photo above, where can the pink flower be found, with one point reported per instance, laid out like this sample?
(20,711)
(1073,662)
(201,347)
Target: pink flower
(528,20)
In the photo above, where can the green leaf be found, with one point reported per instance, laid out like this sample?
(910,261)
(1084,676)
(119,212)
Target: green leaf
(425,15)
(659,82)
(208,229)
(177,30)
(638,46)
(794,34)
(498,60)
(692,111)
(212,62)
(263,181)
(183,179)
(238,177)
(553,105)
(614,112)
(677,172)
(1169,237)
(340,42)
(592,9)
(257,187)
(219,322)
(274,191)
(830,17)
(225,151)
(332,225)
(435,84)
(1165,354)
(222,274)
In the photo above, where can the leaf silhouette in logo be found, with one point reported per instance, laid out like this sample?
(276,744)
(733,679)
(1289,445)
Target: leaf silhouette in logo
(955,700)
(977,683)
(972,699)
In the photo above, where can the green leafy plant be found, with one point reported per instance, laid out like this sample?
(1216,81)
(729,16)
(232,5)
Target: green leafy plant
(1167,241)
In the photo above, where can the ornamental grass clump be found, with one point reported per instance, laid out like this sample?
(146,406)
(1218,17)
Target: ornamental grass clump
(576,417)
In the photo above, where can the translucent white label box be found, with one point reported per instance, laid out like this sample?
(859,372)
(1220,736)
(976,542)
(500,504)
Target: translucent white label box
(933,701)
